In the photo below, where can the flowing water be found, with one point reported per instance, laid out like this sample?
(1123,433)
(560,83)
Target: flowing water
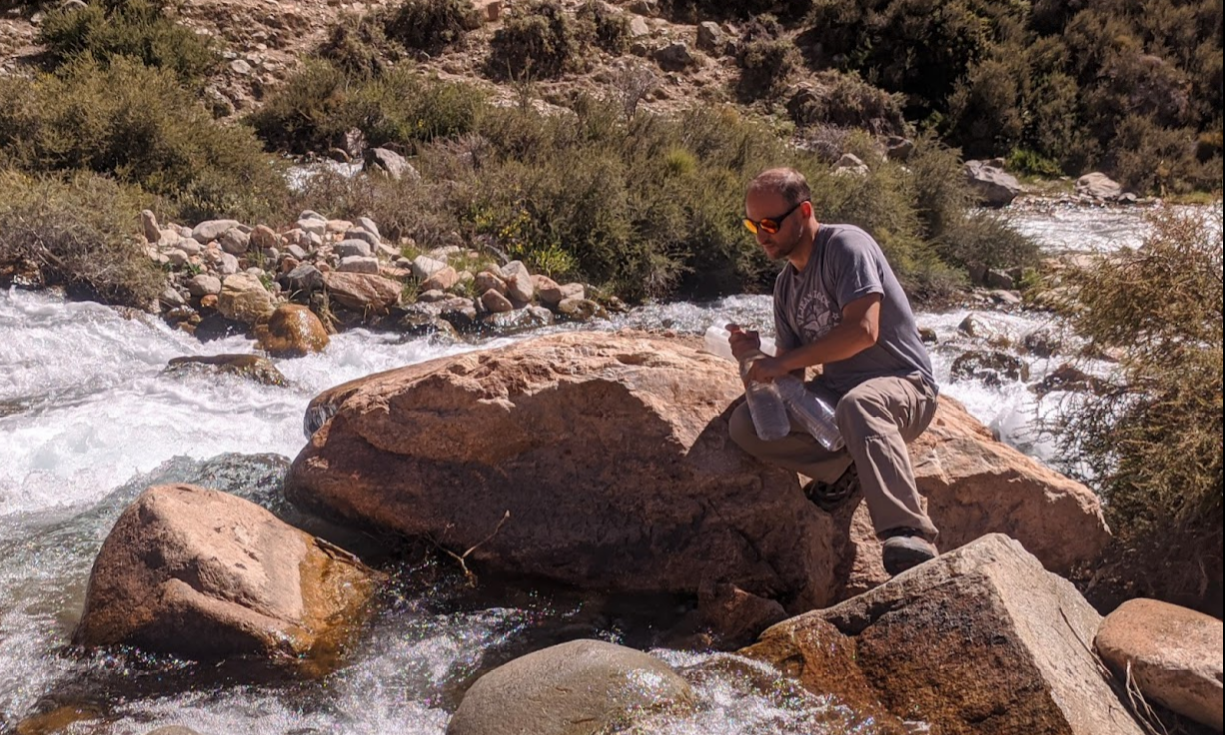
(88,419)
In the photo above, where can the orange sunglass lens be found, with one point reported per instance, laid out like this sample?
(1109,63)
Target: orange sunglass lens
(767,226)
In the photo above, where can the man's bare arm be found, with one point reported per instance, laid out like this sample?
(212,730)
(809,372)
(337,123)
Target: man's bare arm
(859,330)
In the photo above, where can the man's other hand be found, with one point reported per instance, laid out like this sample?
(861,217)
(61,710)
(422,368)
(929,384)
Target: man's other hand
(765,370)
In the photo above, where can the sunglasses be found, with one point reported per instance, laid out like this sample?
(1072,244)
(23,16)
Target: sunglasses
(770,225)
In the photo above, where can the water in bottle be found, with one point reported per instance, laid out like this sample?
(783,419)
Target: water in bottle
(766,404)
(811,411)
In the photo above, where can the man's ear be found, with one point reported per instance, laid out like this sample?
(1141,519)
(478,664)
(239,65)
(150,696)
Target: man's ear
(806,209)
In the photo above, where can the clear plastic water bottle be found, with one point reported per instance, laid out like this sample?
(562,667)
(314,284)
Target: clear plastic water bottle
(765,402)
(811,411)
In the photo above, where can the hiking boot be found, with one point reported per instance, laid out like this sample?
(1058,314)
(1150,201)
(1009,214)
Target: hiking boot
(830,497)
(905,548)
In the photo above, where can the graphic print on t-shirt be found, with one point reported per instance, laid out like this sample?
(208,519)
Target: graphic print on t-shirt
(815,315)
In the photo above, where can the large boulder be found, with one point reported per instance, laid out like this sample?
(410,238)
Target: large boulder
(291,331)
(980,640)
(993,186)
(1171,653)
(363,292)
(1099,186)
(252,367)
(576,688)
(612,455)
(199,573)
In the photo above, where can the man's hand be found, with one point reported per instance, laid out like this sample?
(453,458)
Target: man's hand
(742,342)
(766,369)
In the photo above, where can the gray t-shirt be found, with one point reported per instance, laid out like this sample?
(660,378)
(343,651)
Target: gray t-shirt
(847,264)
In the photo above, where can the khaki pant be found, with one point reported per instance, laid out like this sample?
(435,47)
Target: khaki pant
(876,419)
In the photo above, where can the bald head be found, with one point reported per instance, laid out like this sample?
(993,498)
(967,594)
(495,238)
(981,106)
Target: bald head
(786,182)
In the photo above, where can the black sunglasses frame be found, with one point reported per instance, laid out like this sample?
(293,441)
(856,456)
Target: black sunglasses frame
(775,222)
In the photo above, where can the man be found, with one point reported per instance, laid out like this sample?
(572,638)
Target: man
(838,304)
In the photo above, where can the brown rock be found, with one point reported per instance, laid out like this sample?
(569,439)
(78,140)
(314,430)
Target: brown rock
(737,616)
(148,225)
(576,688)
(195,572)
(291,331)
(1171,653)
(264,237)
(547,291)
(610,452)
(519,287)
(555,428)
(255,367)
(982,640)
(486,281)
(823,660)
(364,292)
(244,299)
(442,279)
(495,303)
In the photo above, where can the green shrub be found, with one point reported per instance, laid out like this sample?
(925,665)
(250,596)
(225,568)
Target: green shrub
(140,29)
(357,46)
(82,233)
(1033,164)
(431,25)
(846,101)
(535,40)
(131,122)
(986,239)
(319,104)
(608,28)
(1152,442)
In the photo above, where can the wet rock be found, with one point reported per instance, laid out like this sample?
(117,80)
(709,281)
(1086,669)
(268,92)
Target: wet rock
(432,296)
(992,185)
(291,331)
(991,367)
(822,660)
(928,335)
(199,573)
(577,688)
(1099,186)
(362,292)
(1068,377)
(244,299)
(172,730)
(203,285)
(1171,653)
(529,317)
(581,310)
(1042,342)
(737,616)
(980,640)
(254,367)
(206,232)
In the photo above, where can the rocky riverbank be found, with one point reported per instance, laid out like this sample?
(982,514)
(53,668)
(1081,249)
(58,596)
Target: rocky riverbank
(600,460)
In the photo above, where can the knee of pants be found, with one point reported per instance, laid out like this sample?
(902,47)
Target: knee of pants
(853,415)
(740,427)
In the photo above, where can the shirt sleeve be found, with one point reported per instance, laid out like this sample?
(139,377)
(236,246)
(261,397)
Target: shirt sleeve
(854,264)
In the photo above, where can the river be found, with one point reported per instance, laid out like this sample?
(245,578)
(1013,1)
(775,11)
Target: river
(88,419)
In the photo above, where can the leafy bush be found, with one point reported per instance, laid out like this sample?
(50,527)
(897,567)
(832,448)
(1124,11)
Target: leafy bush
(131,122)
(81,233)
(535,40)
(320,103)
(1152,443)
(766,59)
(1034,164)
(431,25)
(357,46)
(845,100)
(140,29)
(609,29)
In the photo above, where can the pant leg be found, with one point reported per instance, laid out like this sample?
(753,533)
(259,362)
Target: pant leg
(797,451)
(876,419)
